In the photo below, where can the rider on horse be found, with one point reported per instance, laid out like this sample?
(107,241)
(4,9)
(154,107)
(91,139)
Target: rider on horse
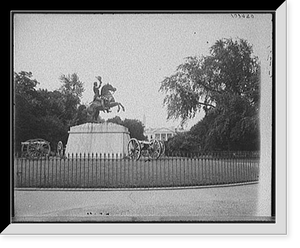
(102,101)
(97,97)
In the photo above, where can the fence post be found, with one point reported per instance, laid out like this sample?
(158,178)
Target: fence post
(126,172)
(177,157)
(212,166)
(174,165)
(67,172)
(238,165)
(205,167)
(96,171)
(218,167)
(19,170)
(89,169)
(112,165)
(76,169)
(16,170)
(83,170)
(60,182)
(100,172)
(117,165)
(104,170)
(72,169)
(215,166)
(191,168)
(91,163)
(42,165)
(183,166)
(234,166)
(56,165)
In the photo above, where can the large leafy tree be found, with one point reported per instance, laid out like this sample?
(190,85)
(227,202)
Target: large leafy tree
(135,127)
(40,113)
(225,84)
(211,81)
(71,89)
(24,101)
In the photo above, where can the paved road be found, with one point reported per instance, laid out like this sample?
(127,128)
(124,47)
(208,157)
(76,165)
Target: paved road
(199,204)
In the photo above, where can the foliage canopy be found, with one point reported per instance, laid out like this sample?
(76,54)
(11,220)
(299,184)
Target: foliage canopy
(226,86)
(40,113)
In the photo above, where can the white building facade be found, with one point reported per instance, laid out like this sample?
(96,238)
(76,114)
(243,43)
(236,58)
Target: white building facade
(162,133)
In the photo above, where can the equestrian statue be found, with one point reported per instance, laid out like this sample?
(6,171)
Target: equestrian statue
(102,101)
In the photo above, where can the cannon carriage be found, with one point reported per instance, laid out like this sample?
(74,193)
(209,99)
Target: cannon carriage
(39,148)
(152,149)
(35,148)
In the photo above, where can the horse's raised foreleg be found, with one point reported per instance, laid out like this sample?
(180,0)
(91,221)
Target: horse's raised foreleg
(122,106)
(114,104)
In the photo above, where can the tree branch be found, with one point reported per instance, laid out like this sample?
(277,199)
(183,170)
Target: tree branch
(195,93)
(208,88)
(206,104)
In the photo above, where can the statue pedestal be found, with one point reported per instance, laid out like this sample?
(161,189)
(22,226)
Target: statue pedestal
(97,138)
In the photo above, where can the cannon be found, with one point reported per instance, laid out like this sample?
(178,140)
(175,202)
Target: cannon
(35,148)
(137,148)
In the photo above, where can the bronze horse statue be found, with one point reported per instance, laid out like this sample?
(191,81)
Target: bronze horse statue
(107,103)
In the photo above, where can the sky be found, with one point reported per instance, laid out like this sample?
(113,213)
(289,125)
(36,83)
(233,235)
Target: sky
(133,52)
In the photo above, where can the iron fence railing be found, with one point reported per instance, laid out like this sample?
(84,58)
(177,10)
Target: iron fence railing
(117,171)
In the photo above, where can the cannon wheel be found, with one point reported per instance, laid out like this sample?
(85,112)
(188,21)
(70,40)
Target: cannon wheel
(24,147)
(38,148)
(134,149)
(155,149)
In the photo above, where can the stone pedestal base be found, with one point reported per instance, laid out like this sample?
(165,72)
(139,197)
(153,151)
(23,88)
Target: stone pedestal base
(97,138)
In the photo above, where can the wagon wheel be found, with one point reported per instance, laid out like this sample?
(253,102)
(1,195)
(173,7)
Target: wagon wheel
(163,148)
(134,149)
(155,149)
(24,149)
(60,149)
(38,148)
(31,148)
(46,149)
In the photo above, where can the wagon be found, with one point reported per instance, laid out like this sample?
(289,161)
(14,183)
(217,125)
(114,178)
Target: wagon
(35,148)
(138,148)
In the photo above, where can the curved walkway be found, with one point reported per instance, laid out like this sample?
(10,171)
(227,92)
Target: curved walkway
(235,203)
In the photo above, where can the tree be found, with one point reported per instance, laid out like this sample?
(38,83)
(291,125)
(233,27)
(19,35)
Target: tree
(71,85)
(24,100)
(183,143)
(135,127)
(40,113)
(211,81)
(116,120)
(81,115)
(225,85)
(24,85)
(71,89)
